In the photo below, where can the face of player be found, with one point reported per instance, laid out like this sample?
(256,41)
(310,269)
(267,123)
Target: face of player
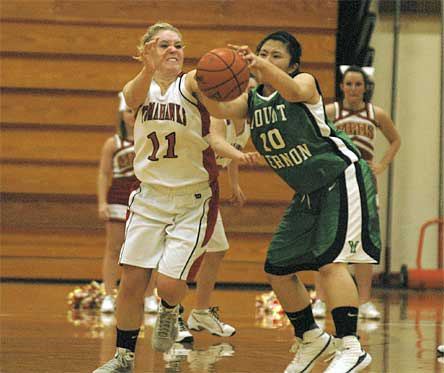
(129,118)
(353,87)
(277,53)
(170,42)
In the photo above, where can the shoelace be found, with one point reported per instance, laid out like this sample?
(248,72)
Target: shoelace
(339,350)
(166,323)
(214,312)
(181,324)
(296,349)
(122,360)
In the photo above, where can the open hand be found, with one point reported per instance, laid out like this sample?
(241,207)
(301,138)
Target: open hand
(249,158)
(103,211)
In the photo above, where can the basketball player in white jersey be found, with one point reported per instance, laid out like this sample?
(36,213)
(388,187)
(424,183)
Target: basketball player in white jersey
(361,119)
(173,213)
(204,316)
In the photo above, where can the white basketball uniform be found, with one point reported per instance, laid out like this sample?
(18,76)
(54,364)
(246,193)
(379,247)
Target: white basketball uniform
(218,241)
(172,214)
(360,126)
(123,179)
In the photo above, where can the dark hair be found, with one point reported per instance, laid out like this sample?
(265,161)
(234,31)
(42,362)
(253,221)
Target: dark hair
(293,46)
(368,85)
(122,127)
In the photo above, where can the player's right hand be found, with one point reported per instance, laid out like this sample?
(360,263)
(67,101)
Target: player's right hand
(103,211)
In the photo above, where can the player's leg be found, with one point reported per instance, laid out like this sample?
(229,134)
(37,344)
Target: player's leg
(350,206)
(129,315)
(151,301)
(290,251)
(137,260)
(205,315)
(364,277)
(184,244)
(319,306)
(206,278)
(110,264)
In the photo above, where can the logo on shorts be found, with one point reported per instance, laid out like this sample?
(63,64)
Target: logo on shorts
(353,246)
(198,196)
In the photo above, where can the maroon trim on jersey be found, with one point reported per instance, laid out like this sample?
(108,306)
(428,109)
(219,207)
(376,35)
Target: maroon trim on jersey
(115,220)
(120,190)
(213,209)
(357,113)
(209,158)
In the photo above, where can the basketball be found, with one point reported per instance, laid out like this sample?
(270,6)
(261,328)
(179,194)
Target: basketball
(222,74)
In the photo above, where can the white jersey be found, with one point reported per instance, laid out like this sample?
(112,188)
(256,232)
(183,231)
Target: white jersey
(238,141)
(169,138)
(360,126)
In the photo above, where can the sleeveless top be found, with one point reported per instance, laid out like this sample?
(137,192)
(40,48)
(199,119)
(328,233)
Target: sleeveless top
(123,180)
(298,142)
(360,126)
(169,138)
(238,141)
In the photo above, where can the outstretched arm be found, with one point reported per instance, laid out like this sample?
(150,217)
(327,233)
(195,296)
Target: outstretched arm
(135,90)
(217,141)
(301,88)
(390,132)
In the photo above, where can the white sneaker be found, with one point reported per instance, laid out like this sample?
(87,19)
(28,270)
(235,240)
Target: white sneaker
(122,362)
(165,328)
(350,358)
(209,320)
(369,311)
(183,334)
(108,304)
(319,309)
(315,344)
(174,357)
(205,360)
(151,304)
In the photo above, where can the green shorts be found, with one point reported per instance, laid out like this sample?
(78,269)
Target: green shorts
(335,224)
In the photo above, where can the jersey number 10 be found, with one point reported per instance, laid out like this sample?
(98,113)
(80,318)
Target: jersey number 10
(272,138)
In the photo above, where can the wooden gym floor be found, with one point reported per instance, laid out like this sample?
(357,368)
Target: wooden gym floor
(40,334)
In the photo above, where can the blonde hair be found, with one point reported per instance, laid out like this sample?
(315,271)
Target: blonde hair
(153,31)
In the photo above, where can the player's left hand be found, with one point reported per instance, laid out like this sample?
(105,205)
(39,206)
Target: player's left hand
(238,197)
(377,168)
(252,60)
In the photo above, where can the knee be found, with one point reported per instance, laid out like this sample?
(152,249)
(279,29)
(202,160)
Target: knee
(276,280)
(332,269)
(133,282)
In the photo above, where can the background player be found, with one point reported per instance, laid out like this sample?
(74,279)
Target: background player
(203,316)
(360,119)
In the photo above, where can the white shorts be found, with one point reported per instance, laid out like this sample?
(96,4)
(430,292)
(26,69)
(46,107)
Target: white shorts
(218,241)
(168,227)
(117,212)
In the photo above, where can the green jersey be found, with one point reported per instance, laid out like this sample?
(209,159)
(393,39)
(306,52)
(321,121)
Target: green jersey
(298,142)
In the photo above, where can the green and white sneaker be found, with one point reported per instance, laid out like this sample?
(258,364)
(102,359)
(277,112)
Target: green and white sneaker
(165,329)
(122,362)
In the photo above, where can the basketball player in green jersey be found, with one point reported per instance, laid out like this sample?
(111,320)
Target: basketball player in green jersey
(332,219)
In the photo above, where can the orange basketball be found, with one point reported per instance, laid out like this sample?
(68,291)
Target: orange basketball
(222,74)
